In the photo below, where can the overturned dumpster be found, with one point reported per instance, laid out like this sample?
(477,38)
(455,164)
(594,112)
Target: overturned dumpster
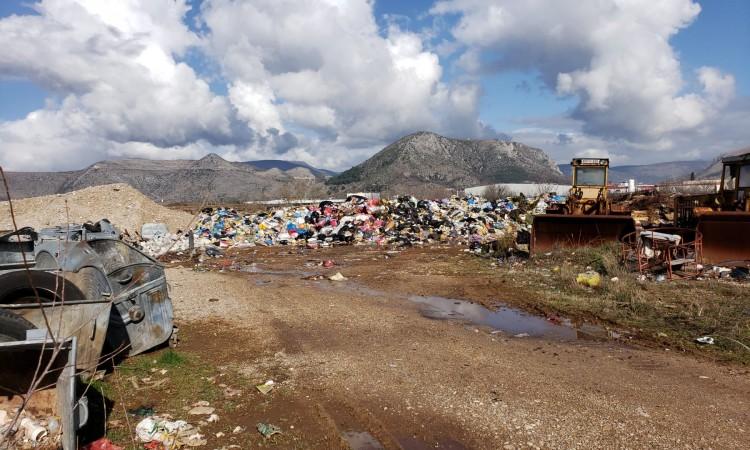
(82,287)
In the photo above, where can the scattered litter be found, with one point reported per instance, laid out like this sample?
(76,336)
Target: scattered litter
(337,277)
(589,278)
(37,431)
(266,387)
(521,335)
(268,430)
(212,418)
(237,429)
(169,433)
(101,444)
(706,340)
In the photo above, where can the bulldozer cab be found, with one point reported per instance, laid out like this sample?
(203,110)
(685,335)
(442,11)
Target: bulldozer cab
(589,178)
(586,218)
(734,191)
(724,220)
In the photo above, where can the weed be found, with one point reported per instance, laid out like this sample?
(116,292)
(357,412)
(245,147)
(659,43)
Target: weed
(171,358)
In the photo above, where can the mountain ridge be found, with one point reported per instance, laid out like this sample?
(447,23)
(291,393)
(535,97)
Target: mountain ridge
(426,158)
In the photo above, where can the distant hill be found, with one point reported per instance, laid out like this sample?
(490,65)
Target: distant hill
(714,167)
(650,173)
(428,159)
(212,178)
(267,164)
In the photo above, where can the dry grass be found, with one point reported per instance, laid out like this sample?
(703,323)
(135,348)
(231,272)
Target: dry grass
(670,314)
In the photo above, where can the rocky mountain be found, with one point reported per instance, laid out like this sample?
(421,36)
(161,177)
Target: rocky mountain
(428,159)
(211,177)
(650,173)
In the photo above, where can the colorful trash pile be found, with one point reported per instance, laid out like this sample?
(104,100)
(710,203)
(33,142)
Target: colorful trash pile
(400,221)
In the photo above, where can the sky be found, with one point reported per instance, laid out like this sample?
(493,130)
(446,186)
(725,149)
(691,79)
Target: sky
(331,82)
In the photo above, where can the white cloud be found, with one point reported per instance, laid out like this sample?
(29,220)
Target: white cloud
(115,66)
(332,71)
(613,55)
(321,82)
(312,80)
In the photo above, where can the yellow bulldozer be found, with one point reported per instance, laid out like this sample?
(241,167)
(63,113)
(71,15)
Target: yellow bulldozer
(722,218)
(586,217)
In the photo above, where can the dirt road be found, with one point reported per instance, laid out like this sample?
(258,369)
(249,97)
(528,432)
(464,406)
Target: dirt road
(364,363)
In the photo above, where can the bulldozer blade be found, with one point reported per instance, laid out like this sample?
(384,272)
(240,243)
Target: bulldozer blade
(726,237)
(550,231)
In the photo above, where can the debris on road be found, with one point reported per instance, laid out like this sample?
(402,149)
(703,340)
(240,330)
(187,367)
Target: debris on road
(337,277)
(268,430)
(265,388)
(169,433)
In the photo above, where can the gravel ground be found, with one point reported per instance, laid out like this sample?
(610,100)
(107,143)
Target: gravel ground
(124,206)
(366,361)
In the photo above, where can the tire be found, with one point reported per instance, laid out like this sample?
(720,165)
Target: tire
(13,327)
(88,283)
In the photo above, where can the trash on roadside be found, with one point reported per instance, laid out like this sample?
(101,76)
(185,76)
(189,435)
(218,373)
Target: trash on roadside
(268,430)
(589,278)
(101,444)
(30,430)
(169,433)
(265,388)
(337,277)
(706,340)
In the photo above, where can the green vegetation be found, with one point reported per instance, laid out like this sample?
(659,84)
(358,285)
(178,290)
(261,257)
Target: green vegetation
(188,379)
(352,175)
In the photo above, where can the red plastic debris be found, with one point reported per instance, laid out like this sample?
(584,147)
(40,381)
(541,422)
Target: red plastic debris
(101,444)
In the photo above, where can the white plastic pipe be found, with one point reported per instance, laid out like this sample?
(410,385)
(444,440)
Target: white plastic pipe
(33,430)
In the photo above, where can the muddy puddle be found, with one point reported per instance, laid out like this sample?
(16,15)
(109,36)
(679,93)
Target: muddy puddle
(508,320)
(505,319)
(361,440)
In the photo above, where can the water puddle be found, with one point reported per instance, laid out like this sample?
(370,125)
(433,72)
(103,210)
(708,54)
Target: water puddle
(361,440)
(509,320)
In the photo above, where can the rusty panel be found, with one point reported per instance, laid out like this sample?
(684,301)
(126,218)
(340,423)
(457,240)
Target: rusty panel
(550,231)
(726,237)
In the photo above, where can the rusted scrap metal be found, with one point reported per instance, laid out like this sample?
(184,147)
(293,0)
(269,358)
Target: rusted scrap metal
(675,251)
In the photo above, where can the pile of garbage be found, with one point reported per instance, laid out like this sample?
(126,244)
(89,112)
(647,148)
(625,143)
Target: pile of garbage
(400,221)
(30,431)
